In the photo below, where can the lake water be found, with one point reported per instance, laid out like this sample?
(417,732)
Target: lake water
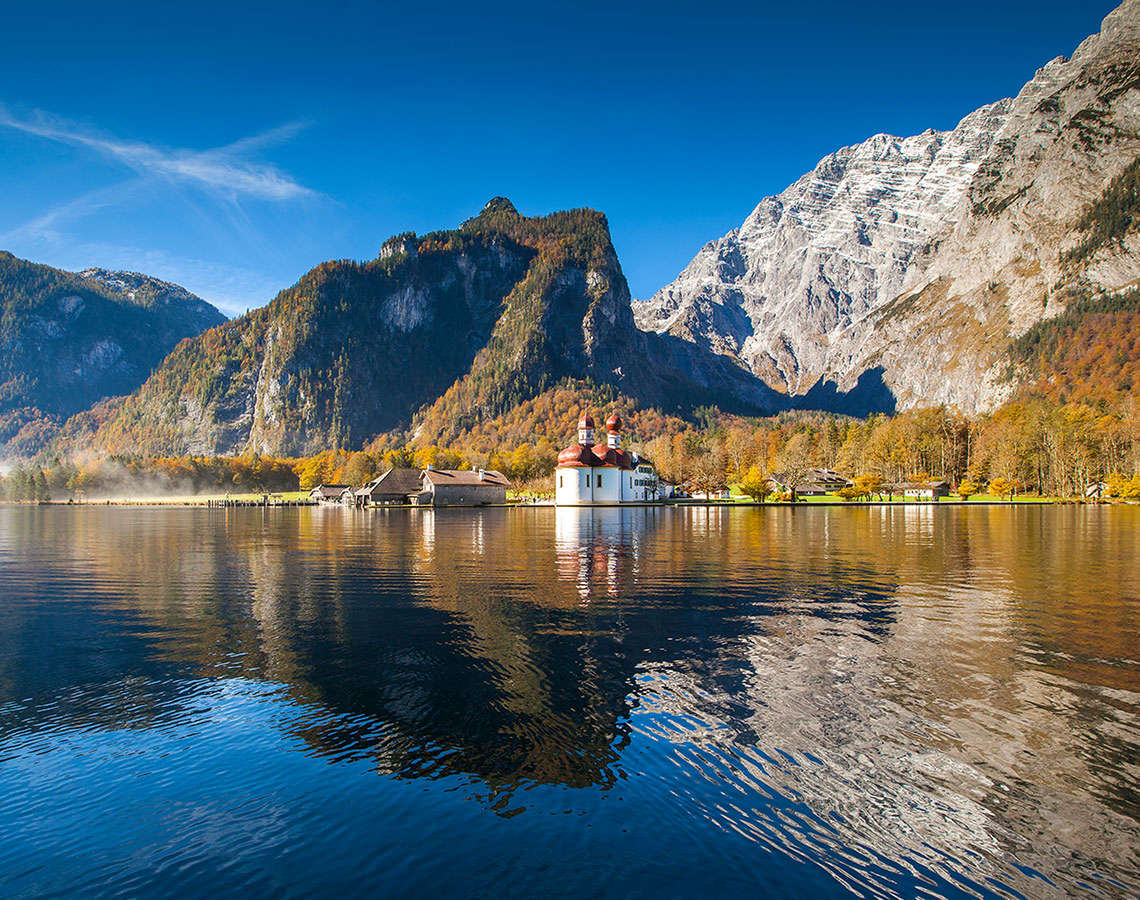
(652,702)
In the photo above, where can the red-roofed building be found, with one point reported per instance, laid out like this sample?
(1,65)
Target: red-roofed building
(589,474)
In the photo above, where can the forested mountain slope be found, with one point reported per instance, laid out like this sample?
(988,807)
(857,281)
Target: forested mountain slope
(443,332)
(69,340)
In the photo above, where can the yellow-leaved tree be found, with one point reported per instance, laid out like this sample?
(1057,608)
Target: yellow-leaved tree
(1004,487)
(755,484)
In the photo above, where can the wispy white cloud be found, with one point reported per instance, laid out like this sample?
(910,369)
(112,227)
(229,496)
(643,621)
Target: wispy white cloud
(225,170)
(204,191)
(48,226)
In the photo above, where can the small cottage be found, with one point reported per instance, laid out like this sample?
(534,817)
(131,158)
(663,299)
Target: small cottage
(814,483)
(719,494)
(453,487)
(924,490)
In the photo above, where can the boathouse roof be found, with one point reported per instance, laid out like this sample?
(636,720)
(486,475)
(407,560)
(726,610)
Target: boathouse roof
(393,483)
(466,477)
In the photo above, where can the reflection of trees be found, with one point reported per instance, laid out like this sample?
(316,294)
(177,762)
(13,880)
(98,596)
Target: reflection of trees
(899,684)
(438,641)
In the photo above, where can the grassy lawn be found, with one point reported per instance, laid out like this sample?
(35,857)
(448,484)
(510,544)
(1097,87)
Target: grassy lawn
(994,498)
(192,499)
(513,496)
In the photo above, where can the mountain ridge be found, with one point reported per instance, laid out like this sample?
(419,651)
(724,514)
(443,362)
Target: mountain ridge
(827,282)
(899,272)
(70,340)
(438,333)
(814,244)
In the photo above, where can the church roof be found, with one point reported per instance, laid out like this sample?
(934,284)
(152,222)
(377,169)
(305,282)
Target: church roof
(576,455)
(594,457)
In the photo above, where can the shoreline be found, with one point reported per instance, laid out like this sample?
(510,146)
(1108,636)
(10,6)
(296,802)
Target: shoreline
(215,504)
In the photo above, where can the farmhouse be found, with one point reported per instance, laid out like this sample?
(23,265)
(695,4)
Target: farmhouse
(589,475)
(452,487)
(813,483)
(720,494)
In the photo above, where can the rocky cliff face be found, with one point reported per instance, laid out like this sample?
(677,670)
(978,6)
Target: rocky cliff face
(441,332)
(813,262)
(921,257)
(341,355)
(69,340)
(1030,236)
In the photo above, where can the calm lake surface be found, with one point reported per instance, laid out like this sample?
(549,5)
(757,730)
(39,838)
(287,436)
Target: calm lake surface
(655,702)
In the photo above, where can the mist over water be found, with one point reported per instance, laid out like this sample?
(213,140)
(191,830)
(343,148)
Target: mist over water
(885,702)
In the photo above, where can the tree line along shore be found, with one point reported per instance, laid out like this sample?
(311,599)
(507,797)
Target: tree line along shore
(1032,448)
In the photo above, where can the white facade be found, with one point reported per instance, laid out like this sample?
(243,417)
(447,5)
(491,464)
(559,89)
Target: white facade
(617,477)
(582,485)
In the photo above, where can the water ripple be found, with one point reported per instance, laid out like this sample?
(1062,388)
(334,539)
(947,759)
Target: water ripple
(886,703)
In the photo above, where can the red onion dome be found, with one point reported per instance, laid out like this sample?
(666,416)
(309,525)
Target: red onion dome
(613,423)
(587,421)
(576,455)
(608,456)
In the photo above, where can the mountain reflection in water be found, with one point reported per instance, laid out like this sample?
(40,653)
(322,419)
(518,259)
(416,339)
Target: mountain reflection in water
(670,701)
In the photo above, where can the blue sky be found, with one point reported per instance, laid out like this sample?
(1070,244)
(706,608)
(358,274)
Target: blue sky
(231,150)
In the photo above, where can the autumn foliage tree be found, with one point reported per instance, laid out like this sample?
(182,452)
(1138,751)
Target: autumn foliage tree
(966,489)
(756,485)
(1004,487)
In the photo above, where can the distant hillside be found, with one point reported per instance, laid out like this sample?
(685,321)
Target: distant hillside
(546,420)
(70,340)
(153,293)
(440,333)
(958,268)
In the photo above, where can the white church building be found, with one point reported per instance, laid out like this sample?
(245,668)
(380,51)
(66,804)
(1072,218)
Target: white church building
(588,474)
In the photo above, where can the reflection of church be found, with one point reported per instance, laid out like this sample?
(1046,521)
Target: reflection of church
(588,474)
(598,550)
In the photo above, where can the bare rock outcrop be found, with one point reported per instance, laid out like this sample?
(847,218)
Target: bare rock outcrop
(921,257)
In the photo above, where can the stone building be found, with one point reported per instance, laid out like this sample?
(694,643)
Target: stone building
(451,487)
